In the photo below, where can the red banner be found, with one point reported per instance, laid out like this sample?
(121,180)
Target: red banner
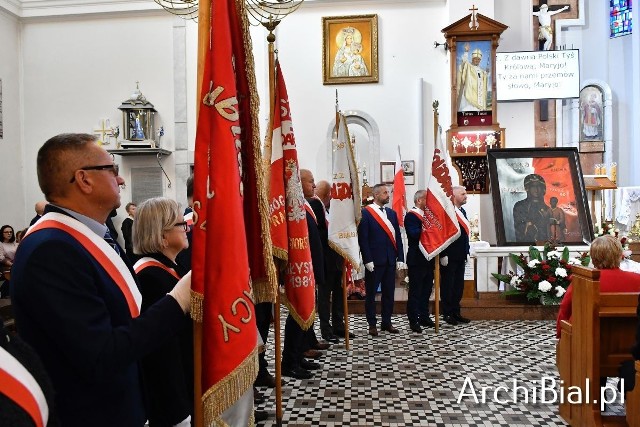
(220,258)
(288,216)
(440,224)
(399,204)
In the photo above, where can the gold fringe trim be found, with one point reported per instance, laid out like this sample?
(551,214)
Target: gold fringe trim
(344,254)
(261,291)
(268,293)
(304,324)
(196,306)
(281,254)
(224,394)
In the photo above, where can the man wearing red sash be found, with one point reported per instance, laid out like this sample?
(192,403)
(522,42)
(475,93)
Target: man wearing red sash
(420,269)
(453,259)
(74,295)
(381,247)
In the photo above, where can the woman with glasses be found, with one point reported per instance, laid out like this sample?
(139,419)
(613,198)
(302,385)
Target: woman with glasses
(159,234)
(8,247)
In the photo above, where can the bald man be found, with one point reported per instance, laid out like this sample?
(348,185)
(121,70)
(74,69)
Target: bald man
(39,208)
(333,264)
(74,295)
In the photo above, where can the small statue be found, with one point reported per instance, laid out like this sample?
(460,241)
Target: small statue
(635,229)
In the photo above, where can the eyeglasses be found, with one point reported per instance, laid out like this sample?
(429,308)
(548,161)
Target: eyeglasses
(115,169)
(184,225)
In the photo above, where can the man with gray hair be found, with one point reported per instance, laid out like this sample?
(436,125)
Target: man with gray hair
(420,270)
(453,260)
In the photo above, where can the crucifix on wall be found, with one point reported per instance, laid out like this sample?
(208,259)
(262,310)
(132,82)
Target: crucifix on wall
(544,12)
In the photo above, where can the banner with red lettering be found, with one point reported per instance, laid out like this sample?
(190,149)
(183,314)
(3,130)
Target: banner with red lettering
(399,204)
(288,216)
(440,224)
(345,209)
(221,282)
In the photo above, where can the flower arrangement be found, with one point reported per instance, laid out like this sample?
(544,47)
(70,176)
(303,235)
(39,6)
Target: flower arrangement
(544,275)
(608,228)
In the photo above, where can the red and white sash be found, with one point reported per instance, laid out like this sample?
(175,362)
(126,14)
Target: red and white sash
(100,250)
(19,386)
(309,209)
(417,212)
(384,223)
(145,262)
(464,223)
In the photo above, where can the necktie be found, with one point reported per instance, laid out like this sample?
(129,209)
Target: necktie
(382,209)
(111,242)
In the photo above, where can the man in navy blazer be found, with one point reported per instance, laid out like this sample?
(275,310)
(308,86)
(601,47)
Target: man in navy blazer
(381,247)
(420,270)
(74,294)
(453,260)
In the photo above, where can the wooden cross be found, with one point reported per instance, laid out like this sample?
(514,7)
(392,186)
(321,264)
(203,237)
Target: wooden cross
(543,103)
(474,20)
(552,8)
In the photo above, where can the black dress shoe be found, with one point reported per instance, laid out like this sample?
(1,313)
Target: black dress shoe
(390,329)
(309,365)
(450,320)
(415,327)
(260,416)
(426,321)
(461,319)
(257,396)
(299,373)
(340,333)
(265,380)
(321,345)
(331,338)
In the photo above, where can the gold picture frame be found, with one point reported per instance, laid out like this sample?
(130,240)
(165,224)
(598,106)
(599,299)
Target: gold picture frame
(349,49)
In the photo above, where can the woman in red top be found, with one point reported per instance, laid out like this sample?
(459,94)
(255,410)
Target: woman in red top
(606,254)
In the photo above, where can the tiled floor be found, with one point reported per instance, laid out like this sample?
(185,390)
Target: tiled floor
(413,379)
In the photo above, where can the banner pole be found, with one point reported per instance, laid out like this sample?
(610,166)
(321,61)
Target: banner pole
(204,34)
(437,266)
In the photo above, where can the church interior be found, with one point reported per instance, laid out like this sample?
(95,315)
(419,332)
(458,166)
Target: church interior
(76,66)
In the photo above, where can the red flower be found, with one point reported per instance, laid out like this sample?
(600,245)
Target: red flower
(551,279)
(546,267)
(535,277)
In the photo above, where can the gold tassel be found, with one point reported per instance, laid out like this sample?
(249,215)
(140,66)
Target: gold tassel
(196,306)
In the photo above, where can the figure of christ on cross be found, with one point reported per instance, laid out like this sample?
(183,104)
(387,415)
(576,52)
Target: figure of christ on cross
(544,13)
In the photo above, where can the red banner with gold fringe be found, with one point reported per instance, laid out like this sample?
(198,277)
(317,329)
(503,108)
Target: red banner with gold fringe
(221,278)
(289,231)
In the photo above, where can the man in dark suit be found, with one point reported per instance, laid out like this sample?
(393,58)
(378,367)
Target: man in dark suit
(74,294)
(381,247)
(453,260)
(297,341)
(420,270)
(330,301)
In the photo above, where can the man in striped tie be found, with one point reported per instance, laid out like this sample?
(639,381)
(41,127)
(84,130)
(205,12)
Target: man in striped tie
(75,298)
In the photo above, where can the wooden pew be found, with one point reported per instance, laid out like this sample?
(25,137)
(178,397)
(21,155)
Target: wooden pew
(595,343)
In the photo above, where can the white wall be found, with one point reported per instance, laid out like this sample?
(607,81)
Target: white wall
(78,71)
(12,207)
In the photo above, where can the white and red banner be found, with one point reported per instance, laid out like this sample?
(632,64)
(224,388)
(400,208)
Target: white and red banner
(288,218)
(440,227)
(345,208)
(221,282)
(399,204)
